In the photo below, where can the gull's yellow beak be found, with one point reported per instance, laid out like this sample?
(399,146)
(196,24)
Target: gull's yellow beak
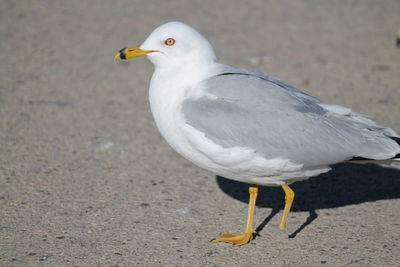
(129,52)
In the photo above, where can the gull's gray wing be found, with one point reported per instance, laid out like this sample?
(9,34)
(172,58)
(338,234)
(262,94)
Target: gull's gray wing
(249,109)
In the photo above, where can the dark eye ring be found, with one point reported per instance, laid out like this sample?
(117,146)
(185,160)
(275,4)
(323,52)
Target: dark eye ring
(169,41)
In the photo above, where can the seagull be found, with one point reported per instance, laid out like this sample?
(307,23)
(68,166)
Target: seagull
(246,125)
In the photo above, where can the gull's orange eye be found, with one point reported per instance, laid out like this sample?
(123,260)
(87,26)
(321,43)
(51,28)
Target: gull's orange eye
(169,41)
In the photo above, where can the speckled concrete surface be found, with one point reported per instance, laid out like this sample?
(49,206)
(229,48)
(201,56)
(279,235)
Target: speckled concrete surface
(86,180)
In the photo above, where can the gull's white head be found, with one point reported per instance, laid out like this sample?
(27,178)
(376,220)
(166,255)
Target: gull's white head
(171,44)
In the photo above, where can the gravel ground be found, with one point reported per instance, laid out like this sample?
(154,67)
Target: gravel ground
(86,179)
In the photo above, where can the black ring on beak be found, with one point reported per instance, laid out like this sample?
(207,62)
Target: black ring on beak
(122,54)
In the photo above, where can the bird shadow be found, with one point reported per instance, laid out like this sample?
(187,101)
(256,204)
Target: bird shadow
(345,184)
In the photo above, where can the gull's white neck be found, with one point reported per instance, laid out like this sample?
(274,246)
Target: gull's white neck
(167,92)
(169,85)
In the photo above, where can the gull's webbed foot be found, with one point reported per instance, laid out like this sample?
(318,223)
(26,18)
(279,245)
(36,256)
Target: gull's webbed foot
(236,239)
(248,234)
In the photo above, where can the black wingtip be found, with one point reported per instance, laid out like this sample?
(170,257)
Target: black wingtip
(396,139)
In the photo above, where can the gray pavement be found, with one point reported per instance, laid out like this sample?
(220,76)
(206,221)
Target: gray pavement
(86,179)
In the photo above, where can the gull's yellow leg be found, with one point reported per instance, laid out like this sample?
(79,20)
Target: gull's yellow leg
(247,235)
(289,196)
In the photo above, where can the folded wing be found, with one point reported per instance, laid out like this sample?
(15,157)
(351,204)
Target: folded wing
(250,109)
